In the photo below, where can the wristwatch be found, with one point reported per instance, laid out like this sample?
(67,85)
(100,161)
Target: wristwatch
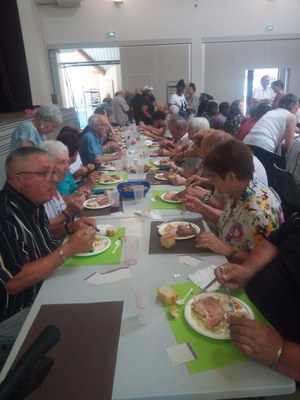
(205,199)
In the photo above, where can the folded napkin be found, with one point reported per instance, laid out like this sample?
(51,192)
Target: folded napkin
(151,214)
(202,277)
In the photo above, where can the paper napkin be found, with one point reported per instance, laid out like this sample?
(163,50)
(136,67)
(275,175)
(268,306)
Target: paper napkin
(202,277)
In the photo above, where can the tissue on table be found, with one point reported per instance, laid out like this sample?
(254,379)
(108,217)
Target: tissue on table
(102,228)
(202,277)
(152,214)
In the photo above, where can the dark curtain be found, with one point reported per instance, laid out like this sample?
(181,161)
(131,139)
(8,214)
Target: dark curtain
(249,88)
(15,92)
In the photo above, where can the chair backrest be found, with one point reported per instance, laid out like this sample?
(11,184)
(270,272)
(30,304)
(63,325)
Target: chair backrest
(267,158)
(286,187)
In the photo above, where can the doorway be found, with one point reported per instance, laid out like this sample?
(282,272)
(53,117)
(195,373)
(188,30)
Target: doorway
(252,80)
(82,78)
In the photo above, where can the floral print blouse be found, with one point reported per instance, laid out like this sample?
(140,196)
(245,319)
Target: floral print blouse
(245,223)
(233,123)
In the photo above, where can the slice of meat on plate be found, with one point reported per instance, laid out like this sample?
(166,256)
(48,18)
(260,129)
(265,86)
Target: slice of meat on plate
(184,230)
(171,196)
(211,309)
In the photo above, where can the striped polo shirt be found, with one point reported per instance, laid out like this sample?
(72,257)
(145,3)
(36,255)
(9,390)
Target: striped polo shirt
(25,236)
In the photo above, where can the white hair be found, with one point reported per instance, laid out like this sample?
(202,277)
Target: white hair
(174,109)
(54,147)
(50,113)
(199,123)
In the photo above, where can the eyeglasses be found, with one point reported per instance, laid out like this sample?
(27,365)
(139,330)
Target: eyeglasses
(46,175)
(104,125)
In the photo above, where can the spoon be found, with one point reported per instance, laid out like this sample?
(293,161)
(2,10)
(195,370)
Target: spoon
(117,244)
(182,301)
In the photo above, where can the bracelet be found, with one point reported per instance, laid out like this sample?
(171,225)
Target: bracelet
(66,227)
(233,252)
(276,359)
(205,199)
(62,254)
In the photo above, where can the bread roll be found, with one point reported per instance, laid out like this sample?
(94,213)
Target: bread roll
(171,175)
(167,295)
(154,170)
(111,231)
(173,310)
(167,241)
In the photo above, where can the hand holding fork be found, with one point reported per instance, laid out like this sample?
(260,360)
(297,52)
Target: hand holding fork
(230,306)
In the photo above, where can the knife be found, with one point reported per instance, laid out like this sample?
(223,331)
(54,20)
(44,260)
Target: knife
(208,285)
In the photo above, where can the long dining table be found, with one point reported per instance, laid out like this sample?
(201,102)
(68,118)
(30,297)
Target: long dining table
(143,369)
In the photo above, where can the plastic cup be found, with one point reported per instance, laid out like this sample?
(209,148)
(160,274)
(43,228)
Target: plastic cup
(144,301)
(140,171)
(124,162)
(138,193)
(114,199)
(118,166)
(131,248)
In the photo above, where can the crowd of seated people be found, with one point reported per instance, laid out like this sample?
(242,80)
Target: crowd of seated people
(223,180)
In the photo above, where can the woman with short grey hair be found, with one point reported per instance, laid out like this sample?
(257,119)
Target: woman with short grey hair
(32,133)
(58,210)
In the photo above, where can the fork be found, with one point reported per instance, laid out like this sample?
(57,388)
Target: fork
(230,306)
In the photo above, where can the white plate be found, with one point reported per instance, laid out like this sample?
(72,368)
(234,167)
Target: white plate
(150,145)
(156,163)
(161,177)
(91,207)
(166,227)
(154,153)
(109,168)
(101,244)
(120,179)
(163,197)
(220,331)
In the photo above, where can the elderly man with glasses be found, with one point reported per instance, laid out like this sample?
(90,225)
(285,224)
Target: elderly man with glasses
(92,148)
(28,252)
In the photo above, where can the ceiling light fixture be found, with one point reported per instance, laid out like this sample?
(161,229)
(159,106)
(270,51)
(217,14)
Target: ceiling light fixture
(118,2)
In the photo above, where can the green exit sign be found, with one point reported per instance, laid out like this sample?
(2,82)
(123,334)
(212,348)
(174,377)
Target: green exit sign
(269,28)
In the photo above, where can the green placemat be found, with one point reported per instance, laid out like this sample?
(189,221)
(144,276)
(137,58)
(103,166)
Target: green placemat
(160,204)
(105,258)
(211,353)
(124,176)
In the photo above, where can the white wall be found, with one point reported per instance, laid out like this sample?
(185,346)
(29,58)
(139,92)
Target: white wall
(147,22)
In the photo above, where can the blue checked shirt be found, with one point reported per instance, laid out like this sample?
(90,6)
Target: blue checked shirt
(91,147)
(26,132)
